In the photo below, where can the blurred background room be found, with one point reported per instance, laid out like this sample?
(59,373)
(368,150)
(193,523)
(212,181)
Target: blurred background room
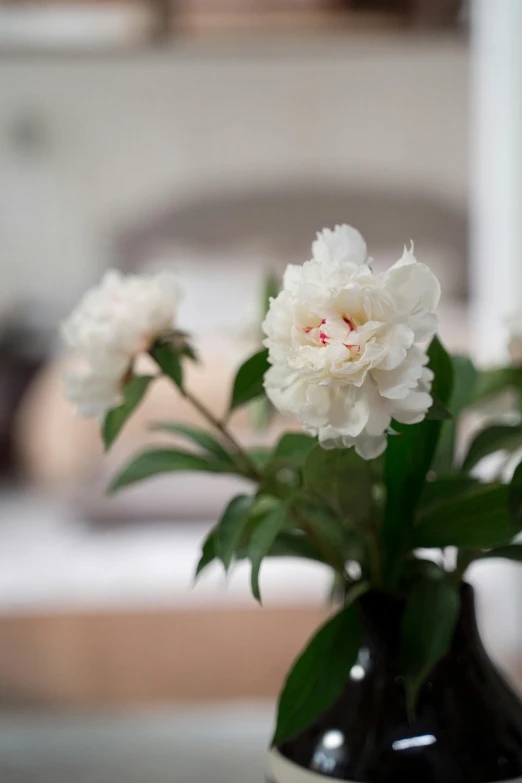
(213,137)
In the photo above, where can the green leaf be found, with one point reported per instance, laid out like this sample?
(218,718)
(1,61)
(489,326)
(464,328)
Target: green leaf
(515,497)
(260,457)
(282,472)
(445,489)
(317,678)
(231,526)
(326,527)
(464,384)
(263,505)
(281,478)
(248,383)
(262,540)
(408,458)
(190,352)
(208,553)
(133,393)
(341,480)
(496,438)
(491,382)
(295,446)
(168,360)
(289,543)
(415,567)
(156,461)
(197,436)
(438,412)
(465,379)
(428,625)
(479,518)
(261,412)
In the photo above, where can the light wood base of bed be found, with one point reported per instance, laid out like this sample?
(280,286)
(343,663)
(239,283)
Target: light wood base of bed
(125,658)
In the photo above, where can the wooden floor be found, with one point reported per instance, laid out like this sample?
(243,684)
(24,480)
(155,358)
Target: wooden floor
(136,658)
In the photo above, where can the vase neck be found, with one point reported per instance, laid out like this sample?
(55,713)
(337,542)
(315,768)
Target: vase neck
(466,634)
(382,618)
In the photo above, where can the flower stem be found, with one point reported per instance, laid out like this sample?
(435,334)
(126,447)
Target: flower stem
(250,468)
(465,558)
(374,531)
(373,549)
(330,558)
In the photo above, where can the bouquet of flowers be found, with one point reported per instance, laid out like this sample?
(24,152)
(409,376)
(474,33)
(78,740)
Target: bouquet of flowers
(372,487)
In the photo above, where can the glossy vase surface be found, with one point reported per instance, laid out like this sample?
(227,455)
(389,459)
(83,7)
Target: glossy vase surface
(468,725)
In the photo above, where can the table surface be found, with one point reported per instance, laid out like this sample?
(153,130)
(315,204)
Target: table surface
(223,744)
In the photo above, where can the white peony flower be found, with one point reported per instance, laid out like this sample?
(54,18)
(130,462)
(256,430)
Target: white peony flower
(112,325)
(93,394)
(344,343)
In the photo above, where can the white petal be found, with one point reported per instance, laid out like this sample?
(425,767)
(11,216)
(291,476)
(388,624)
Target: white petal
(330,439)
(413,408)
(380,416)
(285,389)
(397,340)
(344,245)
(122,315)
(367,446)
(407,258)
(349,411)
(424,326)
(356,372)
(318,402)
(292,277)
(370,447)
(108,362)
(93,395)
(426,380)
(396,384)
(414,288)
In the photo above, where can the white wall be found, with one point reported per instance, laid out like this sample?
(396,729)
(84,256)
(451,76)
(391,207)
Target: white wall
(124,133)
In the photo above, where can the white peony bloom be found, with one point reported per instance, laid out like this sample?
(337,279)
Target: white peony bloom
(343,343)
(92,394)
(112,325)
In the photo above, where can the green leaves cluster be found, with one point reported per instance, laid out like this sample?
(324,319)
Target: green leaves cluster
(169,356)
(429,500)
(333,508)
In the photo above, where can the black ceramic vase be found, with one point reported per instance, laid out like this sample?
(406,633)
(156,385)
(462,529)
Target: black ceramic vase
(468,726)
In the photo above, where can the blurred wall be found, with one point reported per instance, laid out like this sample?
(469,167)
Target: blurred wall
(101,141)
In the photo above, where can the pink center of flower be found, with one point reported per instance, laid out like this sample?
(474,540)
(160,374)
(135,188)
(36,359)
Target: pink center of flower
(308,329)
(325,338)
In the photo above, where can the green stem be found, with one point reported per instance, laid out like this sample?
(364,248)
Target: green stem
(330,558)
(375,556)
(374,534)
(251,469)
(465,557)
